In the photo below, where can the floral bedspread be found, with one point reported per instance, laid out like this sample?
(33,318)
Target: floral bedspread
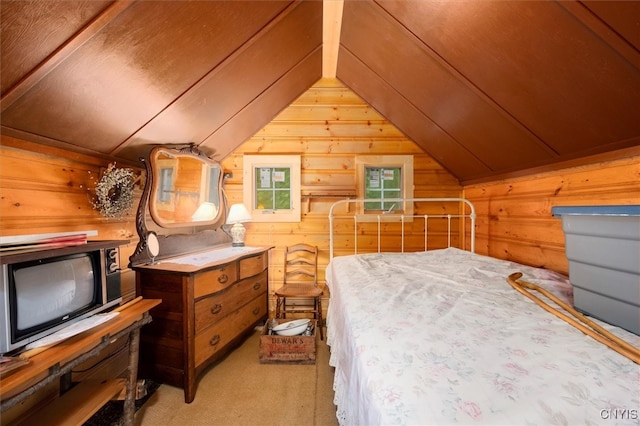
(440,337)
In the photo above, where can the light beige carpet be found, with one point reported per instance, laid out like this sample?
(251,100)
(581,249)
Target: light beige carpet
(240,391)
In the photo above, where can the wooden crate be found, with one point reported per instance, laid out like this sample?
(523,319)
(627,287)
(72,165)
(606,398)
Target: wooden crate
(275,349)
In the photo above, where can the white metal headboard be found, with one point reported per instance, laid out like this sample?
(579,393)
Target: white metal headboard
(467,211)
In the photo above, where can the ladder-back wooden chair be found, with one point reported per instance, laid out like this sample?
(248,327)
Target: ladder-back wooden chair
(300,282)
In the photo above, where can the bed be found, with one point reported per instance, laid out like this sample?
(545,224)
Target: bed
(440,337)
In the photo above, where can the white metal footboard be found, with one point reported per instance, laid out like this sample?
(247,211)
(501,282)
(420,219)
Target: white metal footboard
(466,213)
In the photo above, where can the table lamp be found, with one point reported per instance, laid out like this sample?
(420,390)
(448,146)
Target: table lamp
(206,211)
(237,215)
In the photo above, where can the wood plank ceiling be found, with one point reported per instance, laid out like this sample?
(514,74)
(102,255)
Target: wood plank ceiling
(485,87)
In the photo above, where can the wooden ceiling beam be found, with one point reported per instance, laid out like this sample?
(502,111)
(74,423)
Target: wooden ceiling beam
(63,52)
(331,27)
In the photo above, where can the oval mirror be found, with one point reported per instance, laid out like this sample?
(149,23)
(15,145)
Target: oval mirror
(186,188)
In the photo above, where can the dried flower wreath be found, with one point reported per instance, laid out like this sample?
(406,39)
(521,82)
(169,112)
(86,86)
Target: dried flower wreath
(114,192)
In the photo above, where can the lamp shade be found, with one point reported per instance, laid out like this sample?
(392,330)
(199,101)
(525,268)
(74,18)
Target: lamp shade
(206,211)
(238,214)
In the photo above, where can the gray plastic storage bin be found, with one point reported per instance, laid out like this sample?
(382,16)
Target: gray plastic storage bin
(603,249)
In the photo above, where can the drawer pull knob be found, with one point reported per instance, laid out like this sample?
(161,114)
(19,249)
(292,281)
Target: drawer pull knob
(214,340)
(256,310)
(222,279)
(257,285)
(216,309)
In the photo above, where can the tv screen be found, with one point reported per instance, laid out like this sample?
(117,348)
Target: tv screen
(47,292)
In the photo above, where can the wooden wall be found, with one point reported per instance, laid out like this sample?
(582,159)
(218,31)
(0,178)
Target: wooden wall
(328,126)
(47,190)
(514,215)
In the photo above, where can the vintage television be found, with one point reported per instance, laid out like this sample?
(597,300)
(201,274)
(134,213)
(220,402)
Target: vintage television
(43,291)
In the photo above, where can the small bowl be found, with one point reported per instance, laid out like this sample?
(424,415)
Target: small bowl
(291,328)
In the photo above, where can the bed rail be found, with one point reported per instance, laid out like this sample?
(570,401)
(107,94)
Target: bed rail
(466,212)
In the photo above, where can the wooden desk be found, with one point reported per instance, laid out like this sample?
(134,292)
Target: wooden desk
(82,401)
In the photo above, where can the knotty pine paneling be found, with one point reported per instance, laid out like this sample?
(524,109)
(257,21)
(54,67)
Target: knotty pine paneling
(328,126)
(46,190)
(514,215)
(345,145)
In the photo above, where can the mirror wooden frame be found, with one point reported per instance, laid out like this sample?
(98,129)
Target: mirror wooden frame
(186,188)
(176,238)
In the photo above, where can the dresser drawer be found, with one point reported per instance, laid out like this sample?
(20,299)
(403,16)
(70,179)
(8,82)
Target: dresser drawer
(250,266)
(215,307)
(214,280)
(251,287)
(216,337)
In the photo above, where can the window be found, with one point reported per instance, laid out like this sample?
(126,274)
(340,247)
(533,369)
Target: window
(166,184)
(383,177)
(272,187)
(382,183)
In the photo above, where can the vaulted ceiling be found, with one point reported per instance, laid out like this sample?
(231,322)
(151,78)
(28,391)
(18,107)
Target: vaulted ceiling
(485,87)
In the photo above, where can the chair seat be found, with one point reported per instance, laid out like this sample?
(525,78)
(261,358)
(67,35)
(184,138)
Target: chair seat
(298,290)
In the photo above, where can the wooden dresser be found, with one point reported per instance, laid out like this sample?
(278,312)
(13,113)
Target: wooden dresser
(211,301)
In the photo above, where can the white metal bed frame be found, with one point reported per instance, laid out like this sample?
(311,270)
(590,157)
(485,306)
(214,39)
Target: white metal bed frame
(389,216)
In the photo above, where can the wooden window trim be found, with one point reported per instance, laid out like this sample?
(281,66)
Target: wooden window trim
(250,163)
(405,162)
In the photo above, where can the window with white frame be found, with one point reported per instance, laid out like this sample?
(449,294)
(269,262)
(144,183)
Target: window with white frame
(385,178)
(272,187)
